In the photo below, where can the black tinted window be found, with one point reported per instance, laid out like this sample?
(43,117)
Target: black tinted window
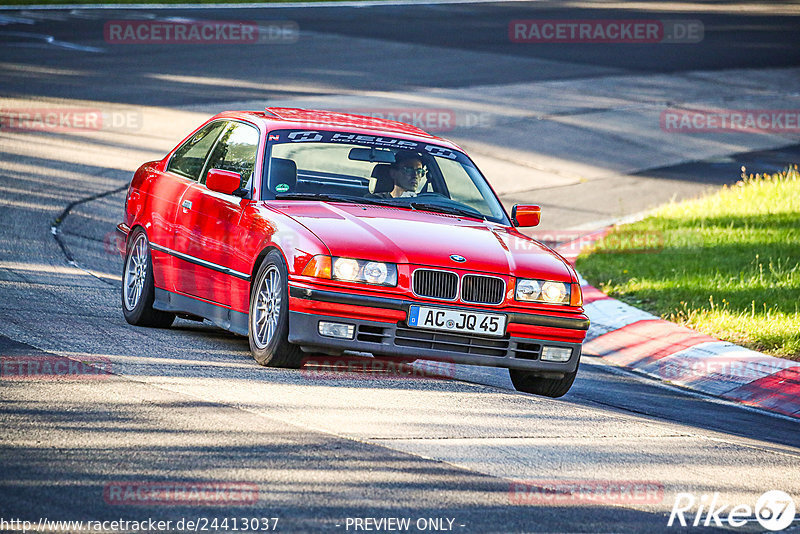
(189,158)
(235,151)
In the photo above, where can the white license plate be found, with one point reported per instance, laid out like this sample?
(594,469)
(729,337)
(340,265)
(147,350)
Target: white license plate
(485,324)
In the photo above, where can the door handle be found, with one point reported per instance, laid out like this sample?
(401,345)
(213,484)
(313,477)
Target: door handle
(187,204)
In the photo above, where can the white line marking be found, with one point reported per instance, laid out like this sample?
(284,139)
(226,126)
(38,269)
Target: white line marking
(37,39)
(6,19)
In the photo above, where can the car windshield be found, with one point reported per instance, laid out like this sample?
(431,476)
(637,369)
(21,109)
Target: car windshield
(349,167)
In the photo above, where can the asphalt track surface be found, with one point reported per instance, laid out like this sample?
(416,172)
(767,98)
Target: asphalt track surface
(188,404)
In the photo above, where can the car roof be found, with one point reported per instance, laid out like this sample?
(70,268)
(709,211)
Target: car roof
(277,118)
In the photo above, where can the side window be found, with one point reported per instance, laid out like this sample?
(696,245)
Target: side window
(235,151)
(466,186)
(188,160)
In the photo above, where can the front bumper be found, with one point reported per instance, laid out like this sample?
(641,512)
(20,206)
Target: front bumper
(397,339)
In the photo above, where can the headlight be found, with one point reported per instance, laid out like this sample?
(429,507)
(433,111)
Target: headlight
(542,291)
(376,273)
(555,292)
(369,272)
(528,289)
(345,269)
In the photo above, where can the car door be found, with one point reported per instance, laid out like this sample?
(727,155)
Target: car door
(166,190)
(207,226)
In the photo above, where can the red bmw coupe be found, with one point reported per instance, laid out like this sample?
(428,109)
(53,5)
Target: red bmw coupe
(311,231)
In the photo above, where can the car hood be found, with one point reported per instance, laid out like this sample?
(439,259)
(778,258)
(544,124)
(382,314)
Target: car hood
(423,238)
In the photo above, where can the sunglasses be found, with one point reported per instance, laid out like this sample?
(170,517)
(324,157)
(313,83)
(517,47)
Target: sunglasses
(411,171)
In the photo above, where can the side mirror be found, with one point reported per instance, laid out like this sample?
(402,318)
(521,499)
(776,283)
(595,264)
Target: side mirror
(223,181)
(524,215)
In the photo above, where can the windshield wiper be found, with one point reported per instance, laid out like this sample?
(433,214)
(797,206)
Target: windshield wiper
(419,206)
(450,210)
(332,198)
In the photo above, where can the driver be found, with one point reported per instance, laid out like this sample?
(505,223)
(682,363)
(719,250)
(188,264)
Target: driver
(406,173)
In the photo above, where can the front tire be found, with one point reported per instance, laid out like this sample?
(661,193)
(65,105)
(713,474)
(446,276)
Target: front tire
(138,289)
(528,382)
(268,322)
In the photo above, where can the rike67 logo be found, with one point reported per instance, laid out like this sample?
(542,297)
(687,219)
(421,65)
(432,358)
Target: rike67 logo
(775,510)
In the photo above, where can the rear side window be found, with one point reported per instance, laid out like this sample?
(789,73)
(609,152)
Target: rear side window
(235,151)
(189,159)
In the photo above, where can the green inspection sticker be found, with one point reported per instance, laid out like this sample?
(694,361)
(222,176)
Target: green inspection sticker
(281,188)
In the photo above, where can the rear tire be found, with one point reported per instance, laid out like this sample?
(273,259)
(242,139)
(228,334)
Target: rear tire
(528,382)
(138,289)
(268,321)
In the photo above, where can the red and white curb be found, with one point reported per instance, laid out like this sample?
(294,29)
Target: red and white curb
(631,338)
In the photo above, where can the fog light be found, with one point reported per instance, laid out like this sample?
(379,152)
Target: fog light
(556,354)
(343,331)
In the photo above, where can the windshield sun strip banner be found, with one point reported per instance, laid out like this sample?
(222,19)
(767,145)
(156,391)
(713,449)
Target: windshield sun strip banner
(377,141)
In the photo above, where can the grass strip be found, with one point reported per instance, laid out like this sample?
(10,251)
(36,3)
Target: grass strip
(727,264)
